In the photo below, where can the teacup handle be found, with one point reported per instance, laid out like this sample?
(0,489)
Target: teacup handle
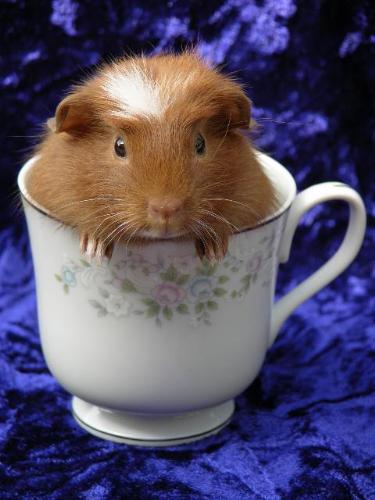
(349,248)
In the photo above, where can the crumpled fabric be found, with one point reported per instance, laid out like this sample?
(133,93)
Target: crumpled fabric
(305,427)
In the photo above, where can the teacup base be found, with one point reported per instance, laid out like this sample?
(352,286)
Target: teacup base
(151,429)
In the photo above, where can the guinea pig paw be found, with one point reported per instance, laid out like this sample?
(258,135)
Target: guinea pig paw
(212,250)
(95,250)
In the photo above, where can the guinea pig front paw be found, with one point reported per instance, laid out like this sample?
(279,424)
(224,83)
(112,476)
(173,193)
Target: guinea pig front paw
(94,249)
(212,250)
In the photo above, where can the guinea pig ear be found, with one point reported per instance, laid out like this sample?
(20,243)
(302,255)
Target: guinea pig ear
(74,115)
(235,111)
(51,124)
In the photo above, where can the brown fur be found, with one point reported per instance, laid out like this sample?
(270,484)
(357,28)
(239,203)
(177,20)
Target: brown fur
(85,185)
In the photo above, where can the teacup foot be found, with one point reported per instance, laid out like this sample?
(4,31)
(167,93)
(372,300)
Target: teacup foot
(151,429)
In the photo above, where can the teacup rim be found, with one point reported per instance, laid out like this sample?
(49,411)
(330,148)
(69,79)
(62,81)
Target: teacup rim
(266,161)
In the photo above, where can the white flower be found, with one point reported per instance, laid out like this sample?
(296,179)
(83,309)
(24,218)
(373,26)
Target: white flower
(94,275)
(254,264)
(143,282)
(117,305)
(232,261)
(194,321)
(68,262)
(185,264)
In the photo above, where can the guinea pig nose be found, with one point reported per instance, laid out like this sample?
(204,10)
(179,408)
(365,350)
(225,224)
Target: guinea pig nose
(164,207)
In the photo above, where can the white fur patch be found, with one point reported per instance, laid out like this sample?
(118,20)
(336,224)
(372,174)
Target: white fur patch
(134,92)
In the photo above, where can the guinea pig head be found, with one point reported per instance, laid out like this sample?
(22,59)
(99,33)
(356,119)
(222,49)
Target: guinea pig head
(159,146)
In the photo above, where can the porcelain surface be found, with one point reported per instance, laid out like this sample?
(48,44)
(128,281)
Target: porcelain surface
(155,330)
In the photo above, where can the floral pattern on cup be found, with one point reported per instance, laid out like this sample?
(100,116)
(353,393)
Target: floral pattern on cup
(67,277)
(180,287)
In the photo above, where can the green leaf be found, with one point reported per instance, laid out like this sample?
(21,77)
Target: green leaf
(204,267)
(102,312)
(219,292)
(212,269)
(181,280)
(223,279)
(66,288)
(207,268)
(153,310)
(167,313)
(170,274)
(182,309)
(84,262)
(58,277)
(234,294)
(202,271)
(95,304)
(211,304)
(246,279)
(128,286)
(103,292)
(199,307)
(149,302)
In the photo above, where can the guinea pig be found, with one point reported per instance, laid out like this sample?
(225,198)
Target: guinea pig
(152,147)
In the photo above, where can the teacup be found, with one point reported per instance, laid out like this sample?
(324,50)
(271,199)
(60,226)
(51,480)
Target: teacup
(155,344)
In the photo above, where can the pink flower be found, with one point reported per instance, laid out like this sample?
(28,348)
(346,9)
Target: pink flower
(254,264)
(168,294)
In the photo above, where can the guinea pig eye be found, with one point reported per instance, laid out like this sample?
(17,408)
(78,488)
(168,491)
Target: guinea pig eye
(120,147)
(200,144)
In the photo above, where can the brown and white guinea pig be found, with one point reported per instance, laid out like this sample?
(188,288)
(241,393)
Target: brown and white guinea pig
(151,147)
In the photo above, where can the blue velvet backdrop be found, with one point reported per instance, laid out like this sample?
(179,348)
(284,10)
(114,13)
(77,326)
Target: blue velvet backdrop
(305,428)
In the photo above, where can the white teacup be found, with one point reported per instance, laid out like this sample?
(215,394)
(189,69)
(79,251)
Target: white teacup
(154,345)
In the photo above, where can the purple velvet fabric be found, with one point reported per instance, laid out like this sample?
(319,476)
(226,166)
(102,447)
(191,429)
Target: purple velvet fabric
(305,428)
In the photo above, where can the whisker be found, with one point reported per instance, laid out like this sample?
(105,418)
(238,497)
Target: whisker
(137,229)
(24,136)
(223,139)
(221,183)
(92,217)
(209,230)
(220,218)
(199,234)
(108,239)
(118,223)
(123,226)
(109,216)
(80,202)
(117,216)
(227,199)
(249,207)
(107,223)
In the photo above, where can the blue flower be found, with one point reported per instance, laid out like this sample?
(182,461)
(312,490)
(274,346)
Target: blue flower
(350,43)
(201,288)
(266,36)
(311,124)
(64,13)
(68,277)
(282,8)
